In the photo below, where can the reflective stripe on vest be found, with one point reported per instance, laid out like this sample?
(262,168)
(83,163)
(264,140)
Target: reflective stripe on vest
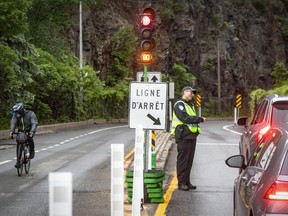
(194,128)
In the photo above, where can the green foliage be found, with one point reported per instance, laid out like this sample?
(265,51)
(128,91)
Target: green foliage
(256,96)
(115,98)
(280,73)
(124,45)
(13,17)
(47,21)
(171,9)
(62,90)
(284,25)
(209,64)
(16,69)
(8,81)
(181,77)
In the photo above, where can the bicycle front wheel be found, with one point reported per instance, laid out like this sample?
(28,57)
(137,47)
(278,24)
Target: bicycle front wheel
(20,159)
(27,164)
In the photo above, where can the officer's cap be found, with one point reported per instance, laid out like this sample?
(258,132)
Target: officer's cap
(189,88)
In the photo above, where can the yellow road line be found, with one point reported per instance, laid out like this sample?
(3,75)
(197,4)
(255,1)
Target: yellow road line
(161,210)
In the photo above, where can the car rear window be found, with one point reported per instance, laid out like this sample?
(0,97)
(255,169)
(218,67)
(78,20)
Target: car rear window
(260,113)
(284,170)
(280,113)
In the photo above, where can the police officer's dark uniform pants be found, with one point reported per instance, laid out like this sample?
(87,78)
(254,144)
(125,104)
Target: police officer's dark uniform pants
(186,151)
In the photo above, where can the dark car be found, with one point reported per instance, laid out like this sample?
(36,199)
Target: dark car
(272,111)
(262,187)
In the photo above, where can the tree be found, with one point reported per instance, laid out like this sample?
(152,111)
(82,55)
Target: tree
(13,17)
(181,77)
(280,73)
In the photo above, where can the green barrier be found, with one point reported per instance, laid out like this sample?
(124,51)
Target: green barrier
(155,190)
(153,182)
(154,174)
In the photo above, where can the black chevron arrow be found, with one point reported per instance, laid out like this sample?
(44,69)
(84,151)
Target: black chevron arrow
(154,79)
(156,121)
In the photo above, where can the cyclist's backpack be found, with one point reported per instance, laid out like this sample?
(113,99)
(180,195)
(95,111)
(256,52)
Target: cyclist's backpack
(21,138)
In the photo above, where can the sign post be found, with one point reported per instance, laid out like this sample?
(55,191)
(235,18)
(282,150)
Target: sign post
(198,104)
(238,106)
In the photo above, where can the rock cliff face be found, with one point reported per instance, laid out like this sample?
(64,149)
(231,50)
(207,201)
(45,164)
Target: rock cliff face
(248,47)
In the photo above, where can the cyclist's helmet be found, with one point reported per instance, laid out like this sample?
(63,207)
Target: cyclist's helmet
(18,108)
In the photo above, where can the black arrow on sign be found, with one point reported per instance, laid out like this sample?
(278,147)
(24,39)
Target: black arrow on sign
(154,79)
(156,121)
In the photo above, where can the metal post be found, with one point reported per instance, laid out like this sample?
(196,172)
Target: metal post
(80,50)
(168,89)
(218,75)
(235,115)
(80,37)
(145,73)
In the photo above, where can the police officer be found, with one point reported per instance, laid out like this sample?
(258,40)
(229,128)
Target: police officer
(24,120)
(185,128)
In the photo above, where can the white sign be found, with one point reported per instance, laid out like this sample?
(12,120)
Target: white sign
(147,105)
(151,77)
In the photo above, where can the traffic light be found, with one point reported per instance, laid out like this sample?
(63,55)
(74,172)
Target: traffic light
(147,29)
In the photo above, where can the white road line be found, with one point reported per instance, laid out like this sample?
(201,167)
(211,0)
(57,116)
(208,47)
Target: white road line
(217,144)
(232,131)
(4,162)
(61,143)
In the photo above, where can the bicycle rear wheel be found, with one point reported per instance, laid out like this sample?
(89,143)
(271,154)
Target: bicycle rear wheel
(20,157)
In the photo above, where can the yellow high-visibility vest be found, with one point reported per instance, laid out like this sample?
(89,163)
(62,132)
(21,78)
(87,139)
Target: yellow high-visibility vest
(194,128)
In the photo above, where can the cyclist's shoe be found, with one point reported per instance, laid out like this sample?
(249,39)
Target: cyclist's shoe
(17,165)
(32,154)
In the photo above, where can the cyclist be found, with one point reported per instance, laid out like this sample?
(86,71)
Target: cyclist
(24,120)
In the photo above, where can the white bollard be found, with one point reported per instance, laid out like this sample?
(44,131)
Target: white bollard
(117,179)
(60,194)
(235,116)
(138,187)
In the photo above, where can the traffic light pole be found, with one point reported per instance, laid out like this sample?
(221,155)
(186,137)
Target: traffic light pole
(146,151)
(145,73)
(168,89)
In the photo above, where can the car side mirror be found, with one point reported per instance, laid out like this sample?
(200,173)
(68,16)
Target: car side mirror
(236,161)
(243,121)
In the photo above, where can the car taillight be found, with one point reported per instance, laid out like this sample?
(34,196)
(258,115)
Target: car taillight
(278,191)
(262,132)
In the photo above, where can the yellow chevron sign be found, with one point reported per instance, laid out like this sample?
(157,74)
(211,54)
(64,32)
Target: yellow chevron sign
(198,100)
(238,103)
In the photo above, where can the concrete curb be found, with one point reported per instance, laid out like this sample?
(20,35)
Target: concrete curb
(163,146)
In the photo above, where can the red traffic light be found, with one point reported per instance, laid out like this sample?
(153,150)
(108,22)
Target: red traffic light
(146,57)
(145,20)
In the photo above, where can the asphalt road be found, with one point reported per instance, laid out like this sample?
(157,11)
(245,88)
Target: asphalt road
(214,180)
(86,153)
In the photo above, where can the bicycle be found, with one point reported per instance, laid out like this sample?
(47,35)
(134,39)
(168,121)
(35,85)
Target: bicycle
(23,152)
